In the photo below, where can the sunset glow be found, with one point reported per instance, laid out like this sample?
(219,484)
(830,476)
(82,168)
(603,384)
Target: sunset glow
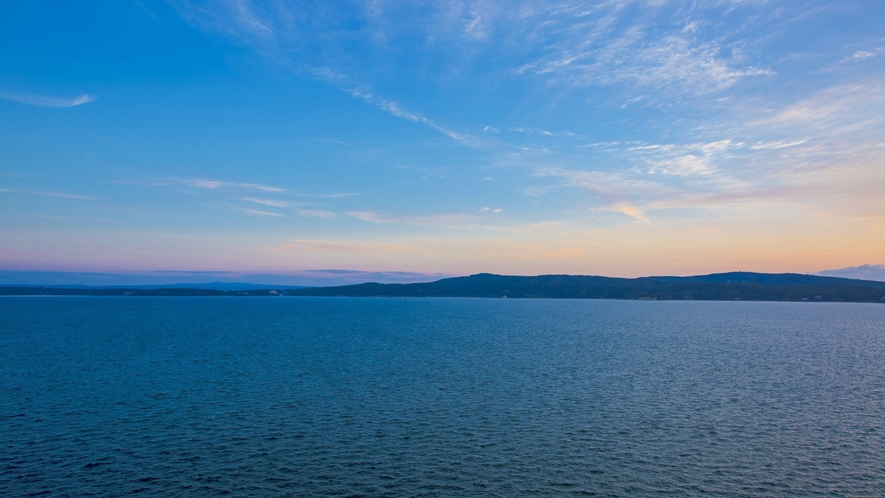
(619,138)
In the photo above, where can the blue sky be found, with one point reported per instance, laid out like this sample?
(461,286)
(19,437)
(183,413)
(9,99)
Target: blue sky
(619,137)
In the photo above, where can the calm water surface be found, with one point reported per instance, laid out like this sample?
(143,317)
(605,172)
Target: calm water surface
(439,397)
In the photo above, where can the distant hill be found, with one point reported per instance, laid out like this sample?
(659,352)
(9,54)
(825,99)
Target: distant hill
(219,286)
(716,287)
(128,291)
(863,272)
(773,279)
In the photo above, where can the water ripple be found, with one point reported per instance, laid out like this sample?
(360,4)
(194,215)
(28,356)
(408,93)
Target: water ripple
(439,397)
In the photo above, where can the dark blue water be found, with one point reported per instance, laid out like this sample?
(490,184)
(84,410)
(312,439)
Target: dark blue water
(439,397)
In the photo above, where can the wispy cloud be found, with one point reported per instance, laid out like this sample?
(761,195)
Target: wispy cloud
(379,276)
(780,144)
(47,193)
(306,205)
(72,218)
(709,135)
(615,191)
(233,187)
(342,246)
(681,160)
(609,187)
(45,100)
(202,183)
(628,46)
(545,133)
(317,213)
(850,104)
(275,31)
(633,212)
(259,212)
(333,195)
(370,217)
(679,62)
(864,54)
(456,221)
(397,110)
(269,202)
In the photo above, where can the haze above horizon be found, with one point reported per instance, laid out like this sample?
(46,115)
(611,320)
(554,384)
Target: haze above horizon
(620,138)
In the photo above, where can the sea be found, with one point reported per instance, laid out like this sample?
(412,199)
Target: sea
(310,396)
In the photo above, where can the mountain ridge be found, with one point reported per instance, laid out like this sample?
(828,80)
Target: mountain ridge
(729,286)
(717,286)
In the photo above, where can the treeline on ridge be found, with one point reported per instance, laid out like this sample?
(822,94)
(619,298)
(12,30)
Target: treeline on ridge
(716,287)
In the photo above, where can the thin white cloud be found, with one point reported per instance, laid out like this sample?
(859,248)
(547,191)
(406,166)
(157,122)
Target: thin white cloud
(696,67)
(334,195)
(399,111)
(203,183)
(780,144)
(259,212)
(633,212)
(347,84)
(248,19)
(341,246)
(45,100)
(632,192)
(242,18)
(220,185)
(752,146)
(542,132)
(370,217)
(839,103)
(681,160)
(456,221)
(236,191)
(269,202)
(613,190)
(317,213)
(47,193)
(607,44)
(71,218)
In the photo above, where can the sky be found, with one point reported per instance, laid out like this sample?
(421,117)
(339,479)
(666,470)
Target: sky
(447,137)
